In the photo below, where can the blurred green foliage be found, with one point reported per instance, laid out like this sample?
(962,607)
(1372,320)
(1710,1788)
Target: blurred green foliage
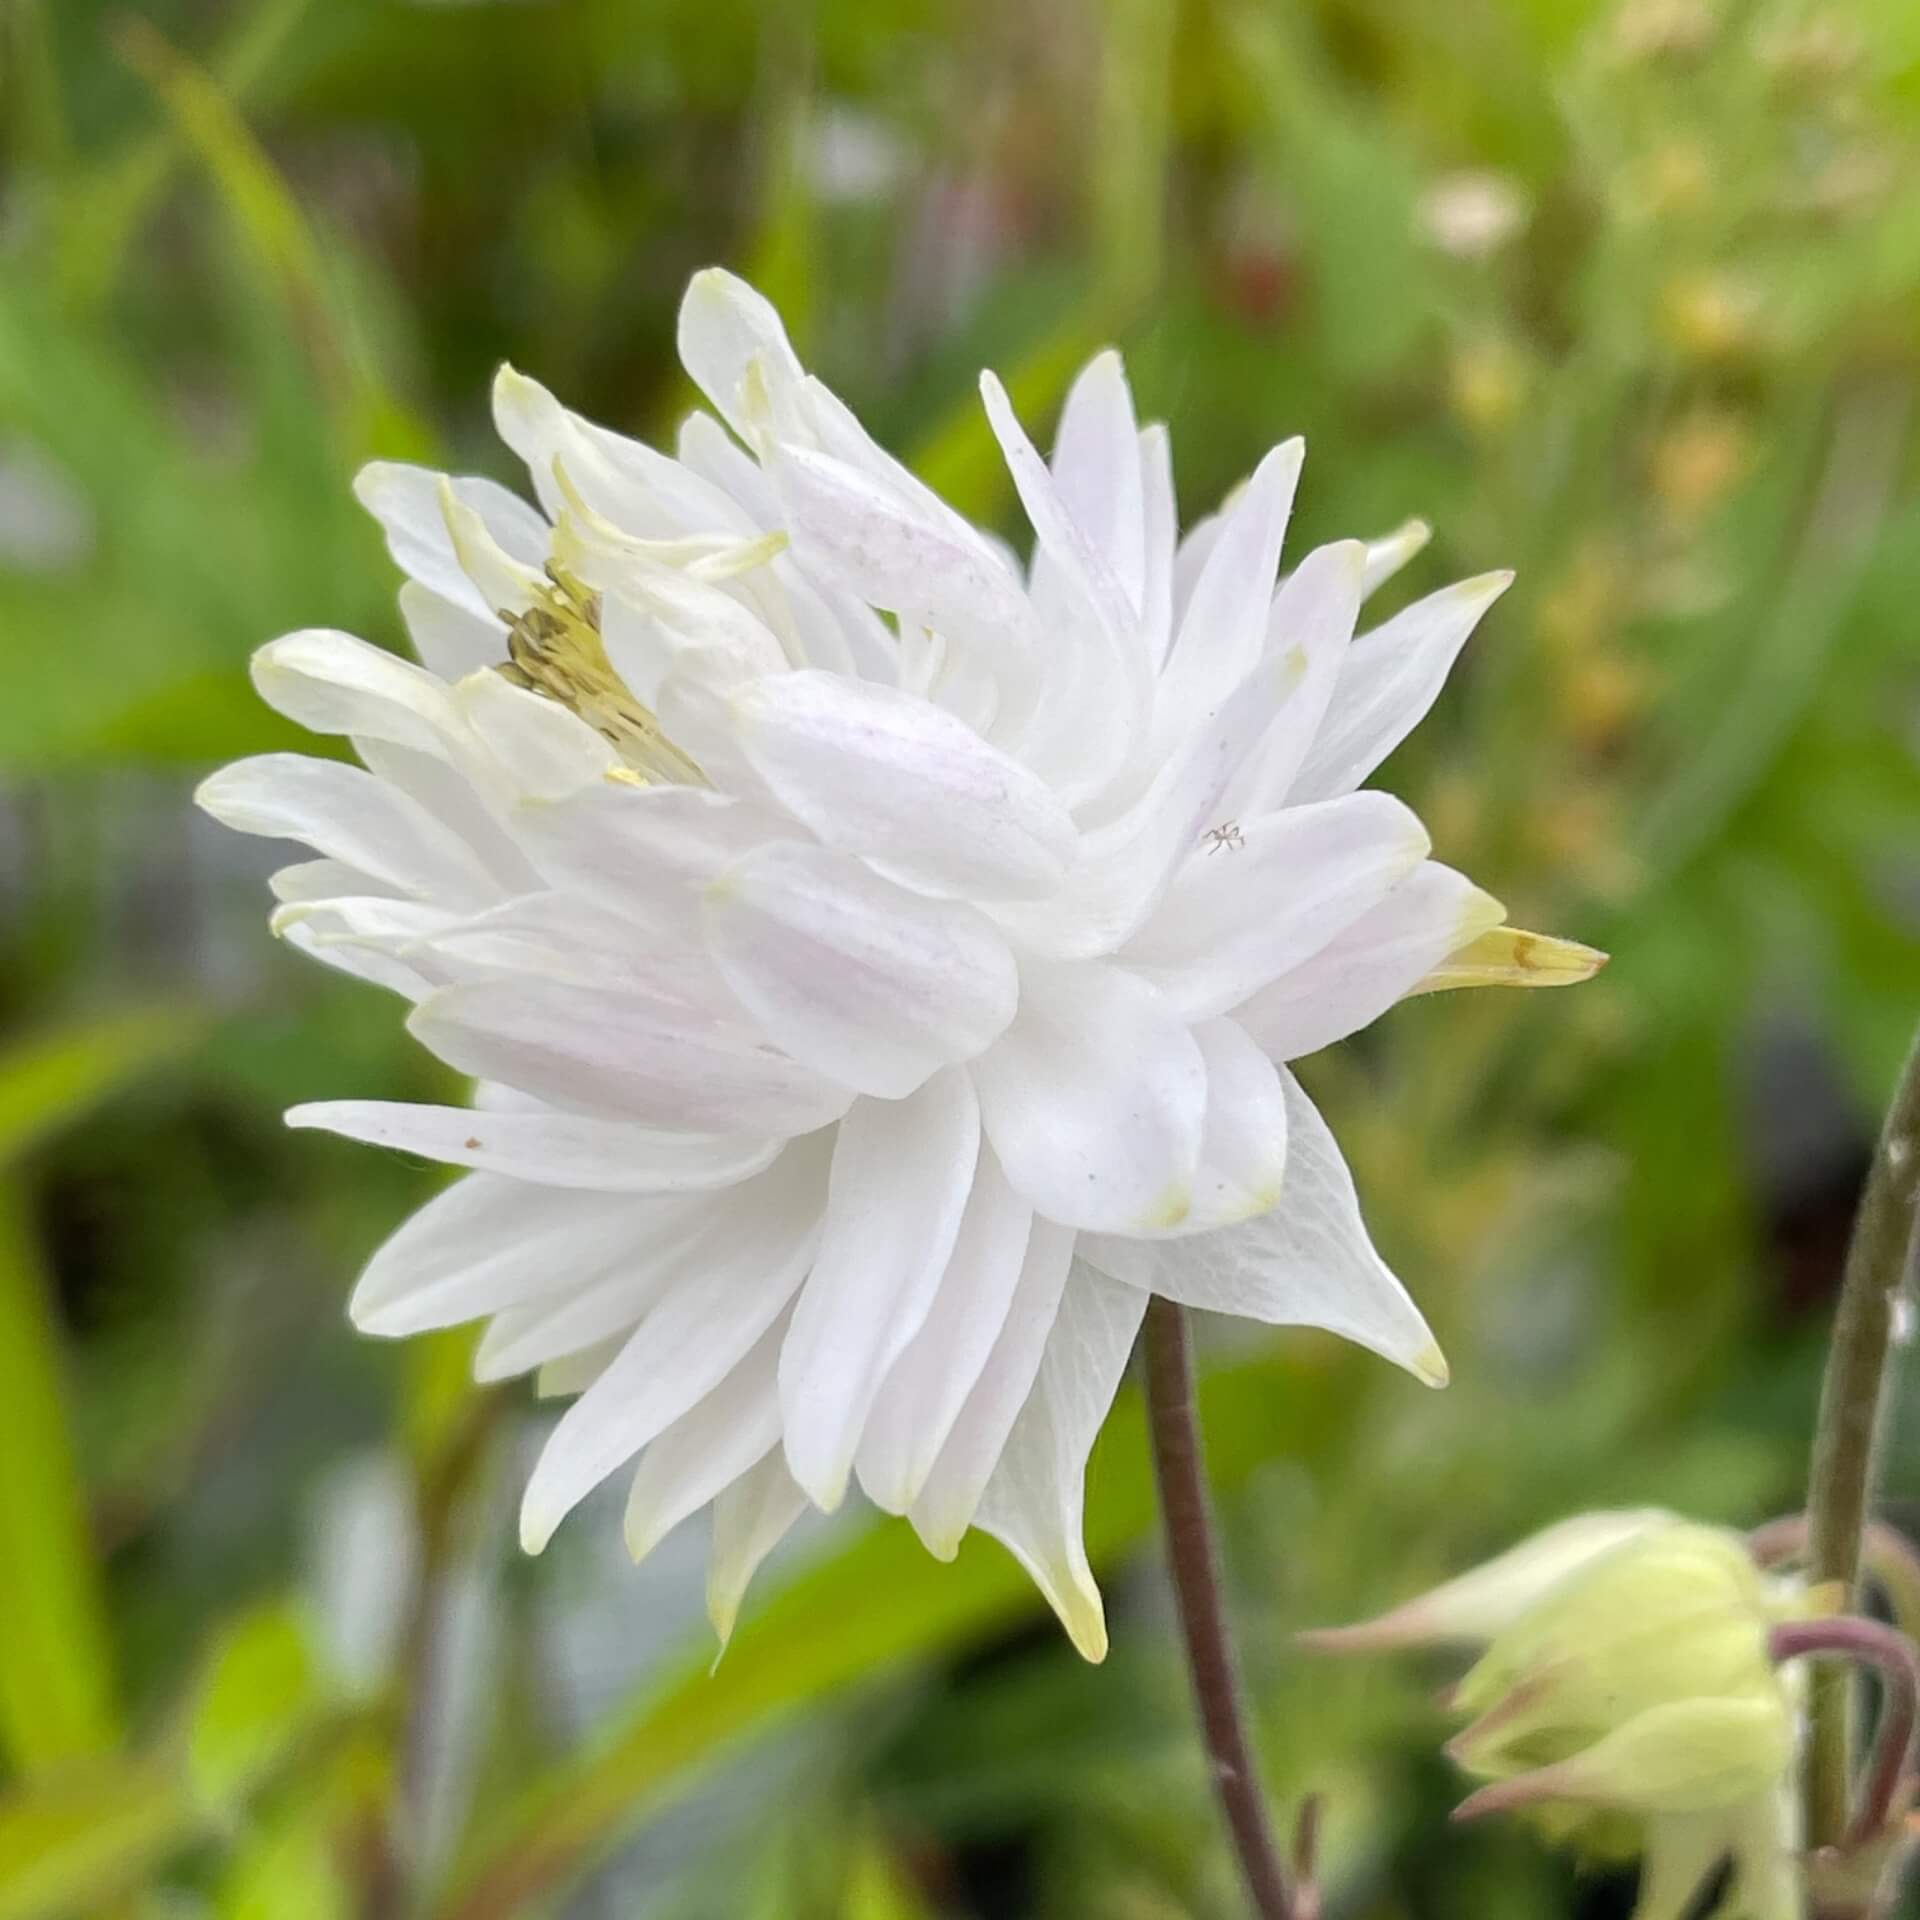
(1623,294)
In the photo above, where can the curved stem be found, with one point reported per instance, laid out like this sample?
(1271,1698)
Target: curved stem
(1196,1579)
(1887,1558)
(1898,1662)
(1845,1446)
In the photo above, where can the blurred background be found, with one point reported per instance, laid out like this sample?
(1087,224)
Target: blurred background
(1626,296)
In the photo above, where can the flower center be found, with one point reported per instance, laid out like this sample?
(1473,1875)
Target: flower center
(554,648)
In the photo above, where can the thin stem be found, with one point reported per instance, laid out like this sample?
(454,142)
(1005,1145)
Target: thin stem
(1840,1489)
(1876,1645)
(1196,1579)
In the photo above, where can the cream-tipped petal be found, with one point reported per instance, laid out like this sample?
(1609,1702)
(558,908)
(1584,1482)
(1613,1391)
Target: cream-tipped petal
(1389,679)
(1308,1262)
(1034,1503)
(1508,957)
(1387,555)
(750,1519)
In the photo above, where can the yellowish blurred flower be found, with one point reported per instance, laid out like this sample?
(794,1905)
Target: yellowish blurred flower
(1486,384)
(1698,461)
(1601,697)
(1659,29)
(1712,315)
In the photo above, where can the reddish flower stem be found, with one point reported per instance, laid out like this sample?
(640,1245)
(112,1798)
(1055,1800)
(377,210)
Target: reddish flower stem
(1188,1518)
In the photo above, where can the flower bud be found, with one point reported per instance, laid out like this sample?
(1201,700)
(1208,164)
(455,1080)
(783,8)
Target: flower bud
(1641,1682)
(1626,1699)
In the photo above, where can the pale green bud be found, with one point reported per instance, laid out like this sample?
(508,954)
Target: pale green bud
(1627,1700)
(1672,1624)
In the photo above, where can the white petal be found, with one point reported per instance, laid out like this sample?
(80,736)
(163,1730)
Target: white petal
(583,1319)
(363,963)
(901,1175)
(1308,1263)
(1097,463)
(644,850)
(548,1149)
(1225,622)
(1125,867)
(1243,1155)
(629,1054)
(1092,704)
(750,1519)
(882,774)
(636,486)
(1161,523)
(452,795)
(1033,1505)
(943,1509)
(941,1366)
(308,881)
(734,1279)
(1248,908)
(1376,961)
(1387,682)
(406,501)
(905,557)
(1095,1098)
(451,640)
(1068,545)
(708,1447)
(1386,556)
(489,1243)
(542,749)
(502,580)
(1309,630)
(348,815)
(707,449)
(870,984)
(574,938)
(332,683)
(725,326)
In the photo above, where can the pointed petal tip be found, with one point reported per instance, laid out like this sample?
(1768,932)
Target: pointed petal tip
(537,1525)
(1085,1620)
(1506,956)
(1430,1365)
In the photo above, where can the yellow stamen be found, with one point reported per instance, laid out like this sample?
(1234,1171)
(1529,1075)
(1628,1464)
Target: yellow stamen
(554,649)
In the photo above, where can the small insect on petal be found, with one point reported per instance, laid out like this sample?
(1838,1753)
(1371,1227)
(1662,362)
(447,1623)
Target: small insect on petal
(1508,957)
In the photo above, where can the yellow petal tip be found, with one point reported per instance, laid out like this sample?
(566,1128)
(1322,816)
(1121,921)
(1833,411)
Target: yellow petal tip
(1512,957)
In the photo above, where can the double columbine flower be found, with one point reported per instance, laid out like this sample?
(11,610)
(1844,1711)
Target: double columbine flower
(876,958)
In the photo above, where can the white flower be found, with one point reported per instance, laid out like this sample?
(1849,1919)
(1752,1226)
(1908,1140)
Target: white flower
(875,959)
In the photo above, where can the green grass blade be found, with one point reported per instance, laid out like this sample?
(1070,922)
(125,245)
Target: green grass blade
(56,1679)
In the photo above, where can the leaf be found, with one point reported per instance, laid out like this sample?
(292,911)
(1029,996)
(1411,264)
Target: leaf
(879,1603)
(52,1079)
(101,212)
(69,1843)
(259,1695)
(56,1680)
(276,231)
